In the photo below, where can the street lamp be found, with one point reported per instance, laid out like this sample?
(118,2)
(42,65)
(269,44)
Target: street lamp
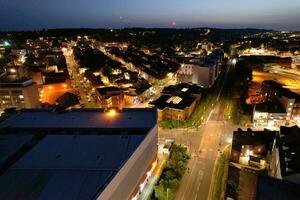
(229,140)
(12,70)
(112,112)
(167,193)
(234,61)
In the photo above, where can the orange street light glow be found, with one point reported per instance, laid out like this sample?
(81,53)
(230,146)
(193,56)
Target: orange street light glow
(112,112)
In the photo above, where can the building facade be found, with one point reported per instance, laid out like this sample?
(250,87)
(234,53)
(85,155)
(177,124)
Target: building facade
(202,71)
(21,93)
(110,97)
(273,92)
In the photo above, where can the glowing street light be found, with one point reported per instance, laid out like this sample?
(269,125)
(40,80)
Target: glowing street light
(229,140)
(6,43)
(12,70)
(112,112)
(234,61)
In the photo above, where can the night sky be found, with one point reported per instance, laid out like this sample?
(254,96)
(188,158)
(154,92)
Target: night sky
(37,14)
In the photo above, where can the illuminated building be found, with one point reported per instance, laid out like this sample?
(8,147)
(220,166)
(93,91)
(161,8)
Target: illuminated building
(80,154)
(250,148)
(269,160)
(202,71)
(269,114)
(110,97)
(18,93)
(274,93)
(139,93)
(177,101)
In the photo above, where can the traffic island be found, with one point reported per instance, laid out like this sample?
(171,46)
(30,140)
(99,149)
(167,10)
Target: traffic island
(219,177)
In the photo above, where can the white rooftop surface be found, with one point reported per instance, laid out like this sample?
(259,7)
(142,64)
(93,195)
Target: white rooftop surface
(81,118)
(68,167)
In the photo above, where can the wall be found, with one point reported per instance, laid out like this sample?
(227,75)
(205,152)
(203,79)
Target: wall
(201,76)
(127,179)
(176,114)
(31,96)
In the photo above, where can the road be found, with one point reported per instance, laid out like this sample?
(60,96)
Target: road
(204,143)
(288,77)
(79,82)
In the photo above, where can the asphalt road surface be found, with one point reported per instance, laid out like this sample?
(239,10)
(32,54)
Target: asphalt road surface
(204,143)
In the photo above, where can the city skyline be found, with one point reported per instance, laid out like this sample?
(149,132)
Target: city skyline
(32,15)
(150,99)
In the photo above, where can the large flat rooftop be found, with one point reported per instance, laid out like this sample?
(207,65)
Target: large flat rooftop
(9,145)
(68,155)
(14,81)
(68,167)
(81,118)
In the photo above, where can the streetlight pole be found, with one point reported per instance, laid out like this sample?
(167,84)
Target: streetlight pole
(167,193)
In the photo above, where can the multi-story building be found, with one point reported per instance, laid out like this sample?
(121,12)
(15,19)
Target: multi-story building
(80,154)
(269,114)
(251,148)
(138,94)
(273,92)
(269,160)
(111,97)
(177,102)
(202,71)
(18,93)
(286,163)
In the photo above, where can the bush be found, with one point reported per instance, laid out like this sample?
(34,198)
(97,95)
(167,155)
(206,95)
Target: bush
(172,174)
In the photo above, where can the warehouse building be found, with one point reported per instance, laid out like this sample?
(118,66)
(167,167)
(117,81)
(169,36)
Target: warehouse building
(78,154)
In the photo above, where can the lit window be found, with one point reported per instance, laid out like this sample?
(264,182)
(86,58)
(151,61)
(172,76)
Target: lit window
(174,100)
(184,89)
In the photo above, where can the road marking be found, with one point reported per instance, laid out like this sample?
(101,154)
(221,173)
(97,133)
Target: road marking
(200,174)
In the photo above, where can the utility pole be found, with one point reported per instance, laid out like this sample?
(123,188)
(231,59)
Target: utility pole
(167,193)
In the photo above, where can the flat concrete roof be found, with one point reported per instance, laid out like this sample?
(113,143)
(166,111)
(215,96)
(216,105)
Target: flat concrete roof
(74,155)
(9,145)
(81,118)
(68,167)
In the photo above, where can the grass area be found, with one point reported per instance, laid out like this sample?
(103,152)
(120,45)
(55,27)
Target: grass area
(220,177)
(201,112)
(171,175)
(170,124)
(234,112)
(235,94)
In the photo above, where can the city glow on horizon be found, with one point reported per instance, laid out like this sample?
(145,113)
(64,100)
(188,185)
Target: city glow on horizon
(272,14)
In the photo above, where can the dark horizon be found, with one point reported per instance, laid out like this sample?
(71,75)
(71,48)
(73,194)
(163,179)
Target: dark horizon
(162,28)
(19,15)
